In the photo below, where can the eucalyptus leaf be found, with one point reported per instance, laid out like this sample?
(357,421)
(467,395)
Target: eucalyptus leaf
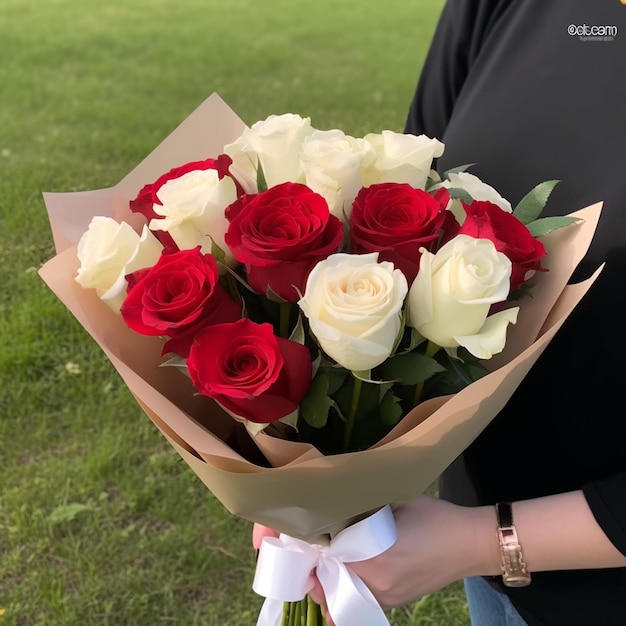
(545,225)
(532,204)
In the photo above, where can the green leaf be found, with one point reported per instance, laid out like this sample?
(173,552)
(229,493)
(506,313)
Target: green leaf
(459,373)
(236,276)
(298,334)
(335,373)
(383,389)
(68,512)
(390,410)
(457,170)
(411,368)
(365,376)
(336,377)
(272,296)
(316,404)
(416,339)
(456,193)
(261,183)
(400,334)
(217,252)
(545,225)
(175,361)
(432,180)
(532,204)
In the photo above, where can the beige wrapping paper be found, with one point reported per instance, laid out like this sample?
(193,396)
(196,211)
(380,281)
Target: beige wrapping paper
(304,493)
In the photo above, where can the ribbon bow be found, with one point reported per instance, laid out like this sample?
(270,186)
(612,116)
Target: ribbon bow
(286,564)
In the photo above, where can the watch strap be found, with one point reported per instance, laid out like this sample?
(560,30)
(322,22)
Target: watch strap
(514,572)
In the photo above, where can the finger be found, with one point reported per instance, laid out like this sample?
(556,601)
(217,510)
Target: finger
(259,532)
(328,618)
(317,593)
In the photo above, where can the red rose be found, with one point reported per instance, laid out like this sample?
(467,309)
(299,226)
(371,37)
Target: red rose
(176,297)
(280,235)
(488,221)
(396,220)
(250,371)
(148,196)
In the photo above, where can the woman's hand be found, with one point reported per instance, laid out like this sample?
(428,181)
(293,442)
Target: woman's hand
(438,543)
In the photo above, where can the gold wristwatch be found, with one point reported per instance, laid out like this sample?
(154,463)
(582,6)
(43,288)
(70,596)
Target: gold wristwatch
(514,573)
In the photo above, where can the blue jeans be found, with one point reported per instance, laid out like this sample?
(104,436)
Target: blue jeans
(488,607)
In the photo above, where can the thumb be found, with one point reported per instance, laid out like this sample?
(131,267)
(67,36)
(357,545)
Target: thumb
(259,532)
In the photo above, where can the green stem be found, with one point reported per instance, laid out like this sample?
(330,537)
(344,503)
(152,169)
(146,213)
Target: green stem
(312,613)
(285,316)
(354,405)
(286,613)
(297,613)
(431,350)
(304,611)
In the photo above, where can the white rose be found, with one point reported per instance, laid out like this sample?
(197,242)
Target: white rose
(401,158)
(354,308)
(193,210)
(274,142)
(476,188)
(108,251)
(450,298)
(331,162)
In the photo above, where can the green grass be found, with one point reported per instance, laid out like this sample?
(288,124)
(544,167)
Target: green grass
(100,521)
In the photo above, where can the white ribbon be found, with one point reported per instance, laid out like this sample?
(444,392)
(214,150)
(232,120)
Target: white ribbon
(286,565)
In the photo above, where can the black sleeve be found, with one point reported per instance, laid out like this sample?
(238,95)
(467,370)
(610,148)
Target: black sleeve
(607,500)
(462,28)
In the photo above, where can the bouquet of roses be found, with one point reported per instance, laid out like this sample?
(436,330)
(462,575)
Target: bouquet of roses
(327,294)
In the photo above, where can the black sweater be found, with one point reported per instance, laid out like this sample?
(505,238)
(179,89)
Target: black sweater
(506,86)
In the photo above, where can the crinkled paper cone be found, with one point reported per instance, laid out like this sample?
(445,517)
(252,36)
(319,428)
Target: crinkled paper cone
(304,493)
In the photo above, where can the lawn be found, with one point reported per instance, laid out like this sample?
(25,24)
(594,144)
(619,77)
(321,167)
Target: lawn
(101,523)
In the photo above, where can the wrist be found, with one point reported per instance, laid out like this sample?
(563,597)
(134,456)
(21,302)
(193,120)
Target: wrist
(483,552)
(471,542)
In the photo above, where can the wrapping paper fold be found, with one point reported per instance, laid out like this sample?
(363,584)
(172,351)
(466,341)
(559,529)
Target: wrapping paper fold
(291,486)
